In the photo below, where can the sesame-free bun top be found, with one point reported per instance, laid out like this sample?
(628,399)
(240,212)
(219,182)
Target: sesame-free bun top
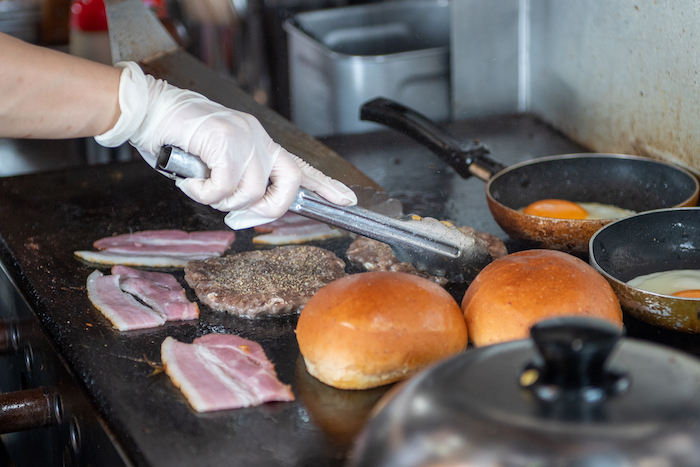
(516,291)
(374,328)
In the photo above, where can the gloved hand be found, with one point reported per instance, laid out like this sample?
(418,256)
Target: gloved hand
(241,155)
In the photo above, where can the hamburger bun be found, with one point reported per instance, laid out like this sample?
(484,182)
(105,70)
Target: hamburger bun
(374,328)
(516,291)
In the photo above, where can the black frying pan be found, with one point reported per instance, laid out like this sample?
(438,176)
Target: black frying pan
(629,182)
(648,242)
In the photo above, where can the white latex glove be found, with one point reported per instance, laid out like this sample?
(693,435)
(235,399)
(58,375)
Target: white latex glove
(251,176)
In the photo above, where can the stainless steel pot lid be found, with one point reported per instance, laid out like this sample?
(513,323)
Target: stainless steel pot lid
(554,400)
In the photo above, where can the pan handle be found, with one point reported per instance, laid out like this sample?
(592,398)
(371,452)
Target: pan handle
(466,158)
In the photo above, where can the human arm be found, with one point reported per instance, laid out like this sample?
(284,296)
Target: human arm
(48,94)
(252,177)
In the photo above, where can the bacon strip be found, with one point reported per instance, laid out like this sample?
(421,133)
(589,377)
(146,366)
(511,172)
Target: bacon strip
(123,310)
(160,291)
(102,257)
(253,350)
(292,228)
(222,372)
(288,219)
(170,237)
(159,248)
(164,298)
(202,251)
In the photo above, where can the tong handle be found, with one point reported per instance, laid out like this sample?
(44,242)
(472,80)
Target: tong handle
(428,244)
(175,163)
(466,158)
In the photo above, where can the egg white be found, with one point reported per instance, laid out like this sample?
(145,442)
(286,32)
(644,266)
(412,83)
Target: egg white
(668,282)
(605,211)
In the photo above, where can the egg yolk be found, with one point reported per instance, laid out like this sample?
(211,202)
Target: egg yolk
(693,293)
(557,208)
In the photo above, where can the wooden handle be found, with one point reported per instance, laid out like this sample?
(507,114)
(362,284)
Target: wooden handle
(28,409)
(8,343)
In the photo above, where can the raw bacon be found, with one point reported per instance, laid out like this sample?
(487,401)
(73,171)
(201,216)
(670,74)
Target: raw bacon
(161,296)
(168,237)
(160,291)
(253,350)
(292,228)
(123,310)
(221,371)
(159,248)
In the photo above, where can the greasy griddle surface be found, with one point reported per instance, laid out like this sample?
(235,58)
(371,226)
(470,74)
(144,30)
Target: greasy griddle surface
(48,216)
(45,217)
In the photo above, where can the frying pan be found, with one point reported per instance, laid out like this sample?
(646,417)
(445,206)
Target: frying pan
(629,182)
(648,242)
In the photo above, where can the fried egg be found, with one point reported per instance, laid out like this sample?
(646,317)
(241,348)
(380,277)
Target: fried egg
(679,283)
(563,209)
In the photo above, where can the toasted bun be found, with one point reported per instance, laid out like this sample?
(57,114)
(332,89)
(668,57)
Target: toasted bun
(370,329)
(516,291)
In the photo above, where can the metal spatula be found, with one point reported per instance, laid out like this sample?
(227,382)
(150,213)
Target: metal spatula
(436,247)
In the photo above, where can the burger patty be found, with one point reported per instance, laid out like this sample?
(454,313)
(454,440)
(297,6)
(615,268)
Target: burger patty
(377,256)
(263,282)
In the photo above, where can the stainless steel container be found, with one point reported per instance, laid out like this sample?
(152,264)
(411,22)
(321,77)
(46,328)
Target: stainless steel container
(343,57)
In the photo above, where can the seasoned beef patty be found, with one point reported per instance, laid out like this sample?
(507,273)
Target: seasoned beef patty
(377,256)
(263,282)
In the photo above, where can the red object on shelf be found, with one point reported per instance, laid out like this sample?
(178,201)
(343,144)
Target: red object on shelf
(88,15)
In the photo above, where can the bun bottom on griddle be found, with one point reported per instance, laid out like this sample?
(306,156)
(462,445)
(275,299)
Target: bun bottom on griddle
(374,328)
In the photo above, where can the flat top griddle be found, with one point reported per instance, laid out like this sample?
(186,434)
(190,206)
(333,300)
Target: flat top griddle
(47,216)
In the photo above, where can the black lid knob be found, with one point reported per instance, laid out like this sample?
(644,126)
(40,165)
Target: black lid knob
(572,364)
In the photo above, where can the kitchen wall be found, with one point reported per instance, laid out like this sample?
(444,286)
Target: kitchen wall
(617,76)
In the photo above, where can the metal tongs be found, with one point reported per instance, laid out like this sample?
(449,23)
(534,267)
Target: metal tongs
(438,248)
